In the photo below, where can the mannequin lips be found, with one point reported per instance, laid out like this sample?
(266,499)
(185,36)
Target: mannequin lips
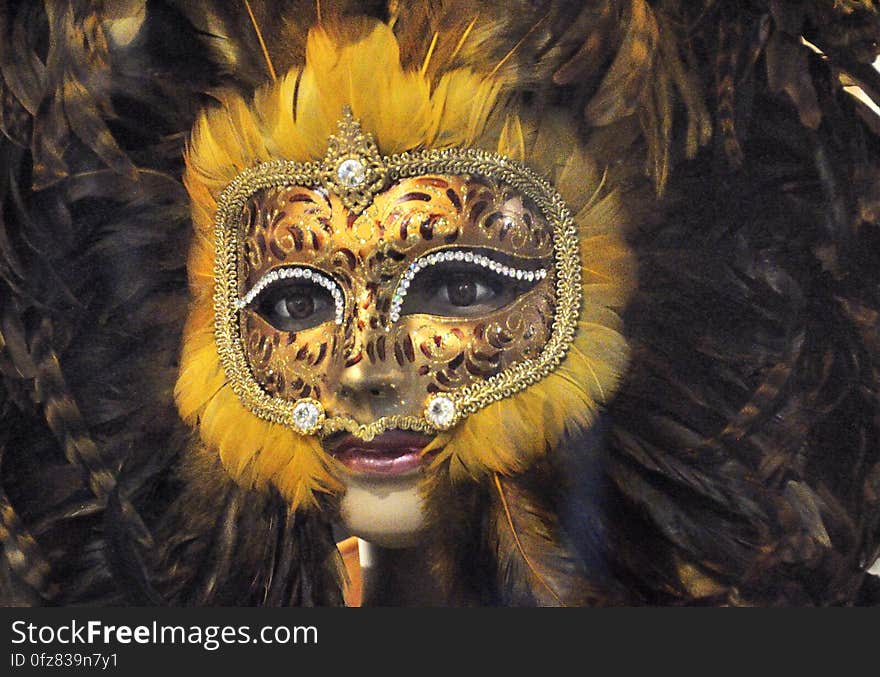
(394,452)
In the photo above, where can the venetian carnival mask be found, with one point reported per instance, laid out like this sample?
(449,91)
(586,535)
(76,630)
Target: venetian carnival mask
(414,263)
(454,274)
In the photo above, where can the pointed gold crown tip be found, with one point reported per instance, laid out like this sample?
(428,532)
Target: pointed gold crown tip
(353,169)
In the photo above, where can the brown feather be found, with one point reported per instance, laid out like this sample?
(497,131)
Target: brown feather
(536,563)
(625,81)
(520,550)
(787,72)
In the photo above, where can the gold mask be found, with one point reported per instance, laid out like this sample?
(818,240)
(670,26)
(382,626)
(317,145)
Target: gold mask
(437,281)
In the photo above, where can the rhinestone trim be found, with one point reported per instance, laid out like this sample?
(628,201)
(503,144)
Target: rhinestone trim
(296,273)
(455,255)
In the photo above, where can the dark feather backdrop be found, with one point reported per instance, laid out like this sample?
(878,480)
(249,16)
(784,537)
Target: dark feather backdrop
(740,461)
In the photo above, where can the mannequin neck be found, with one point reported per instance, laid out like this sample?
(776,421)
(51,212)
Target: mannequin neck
(399,577)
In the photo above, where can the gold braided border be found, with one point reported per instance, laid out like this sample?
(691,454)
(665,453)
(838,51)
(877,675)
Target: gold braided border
(468,399)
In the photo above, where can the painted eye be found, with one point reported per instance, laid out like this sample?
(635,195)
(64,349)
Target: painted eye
(461,287)
(295,298)
(294,306)
(464,289)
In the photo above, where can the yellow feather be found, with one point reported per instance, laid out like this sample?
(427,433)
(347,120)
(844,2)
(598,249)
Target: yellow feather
(512,143)
(461,105)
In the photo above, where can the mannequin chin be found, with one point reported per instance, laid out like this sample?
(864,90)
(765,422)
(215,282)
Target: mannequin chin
(384,511)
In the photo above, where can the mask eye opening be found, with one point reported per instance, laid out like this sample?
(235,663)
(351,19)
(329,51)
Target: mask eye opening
(504,268)
(300,277)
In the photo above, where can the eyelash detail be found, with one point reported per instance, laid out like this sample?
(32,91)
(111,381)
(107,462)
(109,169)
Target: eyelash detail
(296,274)
(458,255)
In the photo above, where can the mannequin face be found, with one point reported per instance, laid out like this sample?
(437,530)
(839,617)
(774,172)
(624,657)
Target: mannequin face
(378,312)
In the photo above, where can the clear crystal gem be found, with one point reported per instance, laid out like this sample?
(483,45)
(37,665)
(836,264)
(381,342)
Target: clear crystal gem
(306,415)
(351,173)
(440,412)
